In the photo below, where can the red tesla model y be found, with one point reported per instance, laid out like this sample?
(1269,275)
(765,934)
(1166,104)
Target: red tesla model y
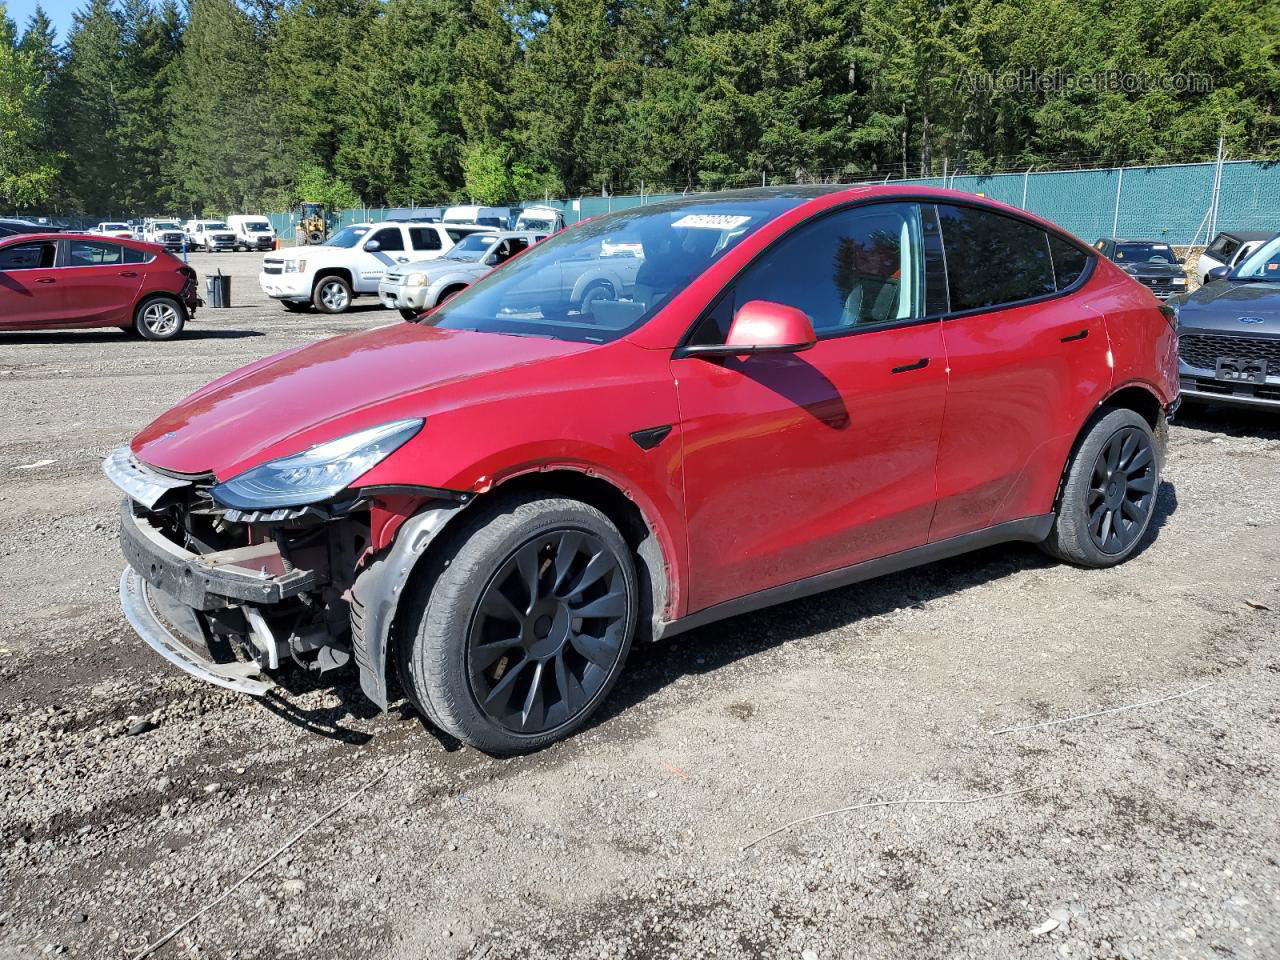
(773,393)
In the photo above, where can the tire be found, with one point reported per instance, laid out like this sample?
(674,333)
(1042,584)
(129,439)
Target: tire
(598,290)
(1109,495)
(295,306)
(450,292)
(409,315)
(331,295)
(159,318)
(541,685)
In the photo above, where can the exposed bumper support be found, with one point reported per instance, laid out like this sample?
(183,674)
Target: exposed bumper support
(142,617)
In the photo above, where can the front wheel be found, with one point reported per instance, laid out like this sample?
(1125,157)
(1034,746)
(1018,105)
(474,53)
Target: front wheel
(332,295)
(160,318)
(525,625)
(408,314)
(1110,493)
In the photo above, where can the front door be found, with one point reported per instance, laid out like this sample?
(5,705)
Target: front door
(30,292)
(373,264)
(796,464)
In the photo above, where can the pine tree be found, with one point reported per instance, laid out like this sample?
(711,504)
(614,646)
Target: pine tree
(27,169)
(218,124)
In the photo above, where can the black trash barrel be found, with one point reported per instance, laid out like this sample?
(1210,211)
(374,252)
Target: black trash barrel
(218,290)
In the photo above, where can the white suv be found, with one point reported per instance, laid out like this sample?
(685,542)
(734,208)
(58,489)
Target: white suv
(351,262)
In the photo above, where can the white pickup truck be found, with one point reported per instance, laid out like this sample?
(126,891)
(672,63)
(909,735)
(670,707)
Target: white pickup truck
(350,263)
(167,233)
(114,229)
(211,235)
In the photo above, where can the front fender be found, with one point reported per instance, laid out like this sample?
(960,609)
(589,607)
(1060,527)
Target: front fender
(375,595)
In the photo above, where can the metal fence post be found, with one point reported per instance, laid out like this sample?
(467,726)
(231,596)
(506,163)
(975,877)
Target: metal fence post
(1217,193)
(1025,178)
(1115,219)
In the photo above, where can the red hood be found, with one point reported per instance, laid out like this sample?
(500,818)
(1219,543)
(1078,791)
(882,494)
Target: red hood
(296,399)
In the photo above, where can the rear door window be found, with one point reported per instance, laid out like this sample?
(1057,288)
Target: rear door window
(993,260)
(424,238)
(82,253)
(28,256)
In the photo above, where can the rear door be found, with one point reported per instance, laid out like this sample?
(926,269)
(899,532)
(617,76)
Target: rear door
(30,292)
(1028,362)
(99,287)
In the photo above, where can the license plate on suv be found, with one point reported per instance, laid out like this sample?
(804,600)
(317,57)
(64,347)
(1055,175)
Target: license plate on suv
(1242,371)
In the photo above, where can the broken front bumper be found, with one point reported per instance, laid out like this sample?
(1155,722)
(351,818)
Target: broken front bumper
(171,597)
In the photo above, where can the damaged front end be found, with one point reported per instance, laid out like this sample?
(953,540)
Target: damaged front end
(229,594)
(226,594)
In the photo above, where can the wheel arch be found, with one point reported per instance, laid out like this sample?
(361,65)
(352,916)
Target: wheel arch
(341,272)
(1134,395)
(379,624)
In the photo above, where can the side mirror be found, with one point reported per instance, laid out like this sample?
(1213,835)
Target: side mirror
(1217,273)
(373,246)
(761,326)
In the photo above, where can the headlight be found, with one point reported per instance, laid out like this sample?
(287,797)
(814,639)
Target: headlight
(416,280)
(316,474)
(295,266)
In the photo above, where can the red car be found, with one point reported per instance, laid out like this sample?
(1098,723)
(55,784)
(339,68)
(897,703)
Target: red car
(66,280)
(800,389)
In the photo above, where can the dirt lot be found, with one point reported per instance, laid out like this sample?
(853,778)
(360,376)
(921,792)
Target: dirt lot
(1148,833)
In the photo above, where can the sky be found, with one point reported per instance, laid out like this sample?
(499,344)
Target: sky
(59,12)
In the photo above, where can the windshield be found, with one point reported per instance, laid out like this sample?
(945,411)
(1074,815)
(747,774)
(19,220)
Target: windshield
(473,247)
(535,223)
(1145,253)
(258,226)
(165,225)
(215,225)
(1263,263)
(346,237)
(606,277)
(115,226)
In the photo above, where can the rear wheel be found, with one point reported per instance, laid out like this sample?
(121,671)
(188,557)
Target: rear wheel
(331,295)
(526,624)
(159,318)
(1110,493)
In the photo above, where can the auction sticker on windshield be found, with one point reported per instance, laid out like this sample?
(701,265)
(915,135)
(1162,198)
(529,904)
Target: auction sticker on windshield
(711,221)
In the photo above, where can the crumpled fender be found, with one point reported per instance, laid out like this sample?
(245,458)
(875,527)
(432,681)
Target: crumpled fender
(375,595)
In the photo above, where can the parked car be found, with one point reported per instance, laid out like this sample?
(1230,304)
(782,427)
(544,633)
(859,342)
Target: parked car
(415,214)
(165,233)
(1229,334)
(495,217)
(10,227)
(252,232)
(213,236)
(805,388)
(416,287)
(68,280)
(541,219)
(1228,249)
(113,228)
(352,262)
(1151,262)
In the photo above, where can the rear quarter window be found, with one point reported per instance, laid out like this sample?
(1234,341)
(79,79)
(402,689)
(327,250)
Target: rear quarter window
(1069,261)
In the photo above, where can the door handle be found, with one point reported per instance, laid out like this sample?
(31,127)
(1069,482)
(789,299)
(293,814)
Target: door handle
(1076,336)
(128,273)
(918,365)
(46,280)
(402,259)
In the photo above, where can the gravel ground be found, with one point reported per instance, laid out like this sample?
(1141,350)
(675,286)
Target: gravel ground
(132,797)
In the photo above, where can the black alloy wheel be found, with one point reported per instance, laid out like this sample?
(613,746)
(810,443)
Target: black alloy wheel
(549,631)
(1122,492)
